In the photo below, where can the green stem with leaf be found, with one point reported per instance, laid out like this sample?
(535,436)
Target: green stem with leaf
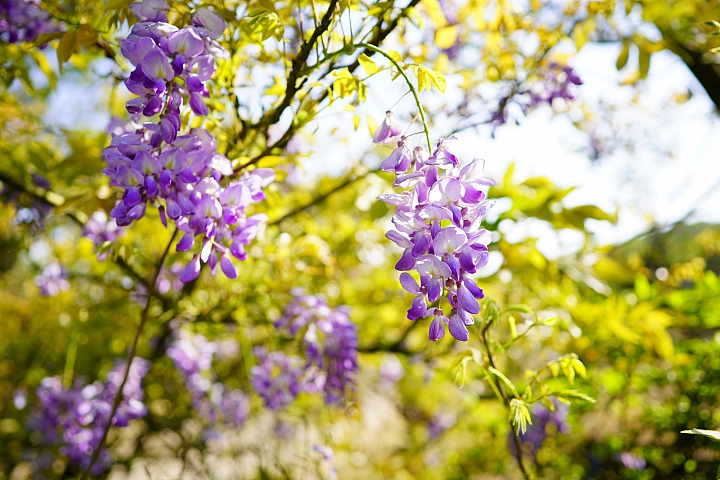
(412,88)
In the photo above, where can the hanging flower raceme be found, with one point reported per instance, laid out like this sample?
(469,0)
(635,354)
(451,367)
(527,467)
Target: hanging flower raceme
(556,81)
(438,221)
(330,344)
(277,378)
(24,21)
(193,356)
(53,280)
(181,174)
(75,418)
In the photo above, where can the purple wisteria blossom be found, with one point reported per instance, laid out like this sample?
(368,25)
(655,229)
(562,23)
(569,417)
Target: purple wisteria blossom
(75,418)
(277,378)
(330,344)
(53,280)
(31,212)
(438,221)
(389,129)
(543,417)
(181,174)
(24,21)
(631,461)
(193,356)
(99,230)
(556,81)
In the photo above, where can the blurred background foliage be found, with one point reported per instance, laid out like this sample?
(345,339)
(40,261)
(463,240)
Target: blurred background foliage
(642,316)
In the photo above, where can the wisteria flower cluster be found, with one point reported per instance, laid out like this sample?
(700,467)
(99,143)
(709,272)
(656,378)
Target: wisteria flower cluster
(32,213)
(277,377)
(75,418)
(183,175)
(24,21)
(193,356)
(543,417)
(330,344)
(53,280)
(438,221)
(99,230)
(557,81)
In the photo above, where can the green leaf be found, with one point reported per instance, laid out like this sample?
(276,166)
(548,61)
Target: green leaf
(66,47)
(504,379)
(517,308)
(44,38)
(116,4)
(568,394)
(367,64)
(519,415)
(427,77)
(706,433)
(623,57)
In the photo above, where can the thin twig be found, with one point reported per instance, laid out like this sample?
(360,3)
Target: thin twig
(131,356)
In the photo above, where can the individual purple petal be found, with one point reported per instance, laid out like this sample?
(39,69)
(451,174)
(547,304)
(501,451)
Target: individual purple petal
(437,329)
(449,240)
(473,288)
(156,65)
(198,104)
(409,283)
(203,66)
(434,289)
(406,262)
(191,271)
(399,239)
(466,300)
(389,129)
(399,160)
(186,242)
(227,267)
(465,317)
(422,242)
(153,107)
(186,42)
(454,265)
(417,309)
(432,266)
(467,262)
(132,197)
(127,177)
(145,163)
(136,212)
(457,328)
(211,21)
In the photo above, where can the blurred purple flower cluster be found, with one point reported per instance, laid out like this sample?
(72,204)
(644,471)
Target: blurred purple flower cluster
(542,418)
(330,344)
(437,193)
(631,461)
(24,21)
(52,280)
(75,418)
(193,355)
(277,377)
(156,163)
(32,212)
(99,230)
(557,81)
